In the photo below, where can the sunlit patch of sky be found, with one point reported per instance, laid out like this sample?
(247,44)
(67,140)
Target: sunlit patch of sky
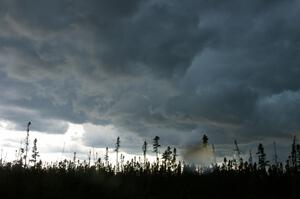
(58,147)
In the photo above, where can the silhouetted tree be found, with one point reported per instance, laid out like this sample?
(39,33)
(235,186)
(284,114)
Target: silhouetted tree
(117,152)
(35,153)
(156,145)
(174,156)
(166,156)
(89,158)
(106,157)
(275,154)
(262,162)
(214,154)
(298,155)
(250,157)
(205,140)
(144,148)
(74,157)
(294,153)
(27,144)
(237,150)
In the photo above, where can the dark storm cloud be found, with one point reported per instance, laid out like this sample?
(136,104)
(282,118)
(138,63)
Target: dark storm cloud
(170,68)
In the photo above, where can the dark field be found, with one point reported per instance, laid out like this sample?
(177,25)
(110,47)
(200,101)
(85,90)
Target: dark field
(66,180)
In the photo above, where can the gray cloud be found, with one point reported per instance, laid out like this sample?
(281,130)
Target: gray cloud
(169,68)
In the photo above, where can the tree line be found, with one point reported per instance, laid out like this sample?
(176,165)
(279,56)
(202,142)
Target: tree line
(166,177)
(166,163)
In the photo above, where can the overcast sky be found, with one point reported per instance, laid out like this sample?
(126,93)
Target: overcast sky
(138,68)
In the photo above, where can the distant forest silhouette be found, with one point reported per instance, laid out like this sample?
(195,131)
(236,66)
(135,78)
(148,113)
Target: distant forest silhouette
(166,177)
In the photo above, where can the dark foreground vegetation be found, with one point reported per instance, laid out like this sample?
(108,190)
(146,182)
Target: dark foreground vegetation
(68,181)
(165,178)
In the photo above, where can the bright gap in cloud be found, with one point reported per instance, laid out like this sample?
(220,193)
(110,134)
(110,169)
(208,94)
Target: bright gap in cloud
(57,147)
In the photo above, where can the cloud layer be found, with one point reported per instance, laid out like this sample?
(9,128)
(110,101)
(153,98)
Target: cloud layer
(169,68)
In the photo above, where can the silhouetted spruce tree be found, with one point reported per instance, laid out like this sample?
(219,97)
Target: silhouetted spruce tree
(156,145)
(89,158)
(106,157)
(205,140)
(166,156)
(27,144)
(298,155)
(262,162)
(117,152)
(35,153)
(237,150)
(250,160)
(144,148)
(224,164)
(72,165)
(74,157)
(275,154)
(294,153)
(174,156)
(214,154)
